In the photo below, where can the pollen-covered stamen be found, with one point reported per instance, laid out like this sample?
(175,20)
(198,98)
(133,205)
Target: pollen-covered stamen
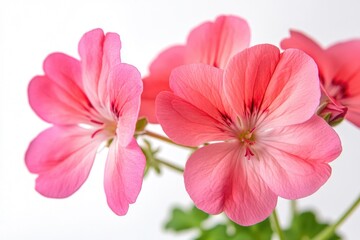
(247,139)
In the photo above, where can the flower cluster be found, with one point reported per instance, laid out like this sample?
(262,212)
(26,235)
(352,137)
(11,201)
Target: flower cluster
(259,118)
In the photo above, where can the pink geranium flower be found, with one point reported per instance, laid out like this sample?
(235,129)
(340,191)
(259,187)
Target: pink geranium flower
(212,43)
(258,116)
(339,71)
(92,101)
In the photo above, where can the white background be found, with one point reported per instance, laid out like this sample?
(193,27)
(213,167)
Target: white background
(30,30)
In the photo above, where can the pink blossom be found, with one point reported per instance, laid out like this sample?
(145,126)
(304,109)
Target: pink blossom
(258,117)
(211,43)
(89,102)
(339,71)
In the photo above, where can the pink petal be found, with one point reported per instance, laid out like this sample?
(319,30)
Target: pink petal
(65,71)
(304,43)
(124,90)
(166,61)
(186,124)
(281,89)
(200,85)
(91,53)
(218,179)
(63,157)
(56,104)
(57,97)
(345,56)
(353,115)
(293,93)
(110,58)
(147,109)
(214,43)
(353,105)
(98,54)
(294,162)
(123,175)
(247,77)
(158,80)
(348,78)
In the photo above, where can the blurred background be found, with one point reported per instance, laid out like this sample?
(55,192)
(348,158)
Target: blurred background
(30,30)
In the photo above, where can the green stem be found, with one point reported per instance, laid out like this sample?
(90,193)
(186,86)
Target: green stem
(276,225)
(294,208)
(170,165)
(164,139)
(158,136)
(327,232)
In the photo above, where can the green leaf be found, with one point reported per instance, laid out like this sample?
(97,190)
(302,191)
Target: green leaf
(186,219)
(233,231)
(305,226)
(195,219)
(260,231)
(219,232)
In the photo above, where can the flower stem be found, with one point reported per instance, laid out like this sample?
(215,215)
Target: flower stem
(163,138)
(276,225)
(294,208)
(327,232)
(170,165)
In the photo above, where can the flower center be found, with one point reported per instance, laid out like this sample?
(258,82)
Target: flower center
(247,139)
(107,127)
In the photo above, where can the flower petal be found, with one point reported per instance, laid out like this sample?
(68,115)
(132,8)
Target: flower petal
(293,93)
(247,77)
(345,56)
(186,124)
(166,61)
(200,85)
(214,43)
(124,173)
(218,178)
(158,80)
(91,53)
(65,71)
(353,113)
(283,89)
(110,58)
(301,41)
(124,90)
(98,54)
(294,162)
(63,157)
(56,104)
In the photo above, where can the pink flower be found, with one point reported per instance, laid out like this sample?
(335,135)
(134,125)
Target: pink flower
(258,116)
(339,71)
(211,43)
(92,101)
